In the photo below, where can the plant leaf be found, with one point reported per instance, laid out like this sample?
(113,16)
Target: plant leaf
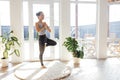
(17,43)
(3,40)
(11,53)
(11,31)
(7,46)
(10,42)
(5,54)
(16,51)
(14,38)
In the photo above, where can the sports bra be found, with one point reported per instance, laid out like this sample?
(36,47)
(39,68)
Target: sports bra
(41,32)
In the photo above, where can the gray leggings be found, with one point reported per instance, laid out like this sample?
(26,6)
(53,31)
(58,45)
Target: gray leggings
(42,40)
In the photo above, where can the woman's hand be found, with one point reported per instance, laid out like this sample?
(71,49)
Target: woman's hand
(38,29)
(46,27)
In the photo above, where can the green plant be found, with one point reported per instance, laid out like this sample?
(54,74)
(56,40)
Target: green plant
(9,42)
(72,46)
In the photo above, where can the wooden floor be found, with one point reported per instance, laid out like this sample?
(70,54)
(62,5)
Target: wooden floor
(92,69)
(89,69)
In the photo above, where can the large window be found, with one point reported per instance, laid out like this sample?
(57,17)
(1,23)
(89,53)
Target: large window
(5,16)
(83,24)
(114,30)
(87,19)
(83,19)
(4,19)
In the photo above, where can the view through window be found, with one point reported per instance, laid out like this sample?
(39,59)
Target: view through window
(83,24)
(114,30)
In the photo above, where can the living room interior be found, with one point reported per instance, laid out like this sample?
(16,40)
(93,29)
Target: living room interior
(93,25)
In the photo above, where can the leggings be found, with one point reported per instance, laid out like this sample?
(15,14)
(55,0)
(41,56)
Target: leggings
(42,40)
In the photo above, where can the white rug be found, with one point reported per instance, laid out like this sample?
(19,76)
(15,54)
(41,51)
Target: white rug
(54,71)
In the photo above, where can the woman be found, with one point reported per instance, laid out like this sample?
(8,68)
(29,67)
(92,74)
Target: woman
(41,28)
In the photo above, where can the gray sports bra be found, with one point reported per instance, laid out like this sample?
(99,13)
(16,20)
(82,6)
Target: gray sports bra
(42,32)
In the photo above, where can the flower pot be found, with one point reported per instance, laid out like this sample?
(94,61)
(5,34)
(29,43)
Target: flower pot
(76,60)
(4,62)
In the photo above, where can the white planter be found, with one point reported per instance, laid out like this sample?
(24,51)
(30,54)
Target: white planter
(4,62)
(76,60)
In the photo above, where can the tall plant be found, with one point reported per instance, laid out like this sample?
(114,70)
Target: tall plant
(72,46)
(10,42)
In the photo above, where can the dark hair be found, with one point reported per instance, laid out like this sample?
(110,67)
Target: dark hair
(39,13)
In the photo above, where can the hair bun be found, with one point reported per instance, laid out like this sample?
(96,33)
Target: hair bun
(39,13)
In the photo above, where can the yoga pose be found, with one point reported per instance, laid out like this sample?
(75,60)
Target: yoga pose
(41,28)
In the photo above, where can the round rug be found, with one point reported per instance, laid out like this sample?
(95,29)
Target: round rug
(54,71)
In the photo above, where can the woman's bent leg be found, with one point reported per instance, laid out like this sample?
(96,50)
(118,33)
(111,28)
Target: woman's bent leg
(50,42)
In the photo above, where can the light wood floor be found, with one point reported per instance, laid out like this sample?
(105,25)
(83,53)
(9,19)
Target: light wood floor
(89,69)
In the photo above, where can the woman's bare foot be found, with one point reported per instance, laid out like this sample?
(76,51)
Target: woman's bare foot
(43,67)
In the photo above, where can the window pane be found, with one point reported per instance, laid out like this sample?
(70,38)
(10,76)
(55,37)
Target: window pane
(25,20)
(87,27)
(114,30)
(25,13)
(84,16)
(72,18)
(5,16)
(5,12)
(4,20)
(56,20)
(72,14)
(87,22)
(114,20)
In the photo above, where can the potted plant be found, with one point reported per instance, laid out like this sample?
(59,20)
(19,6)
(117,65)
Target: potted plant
(72,46)
(9,44)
